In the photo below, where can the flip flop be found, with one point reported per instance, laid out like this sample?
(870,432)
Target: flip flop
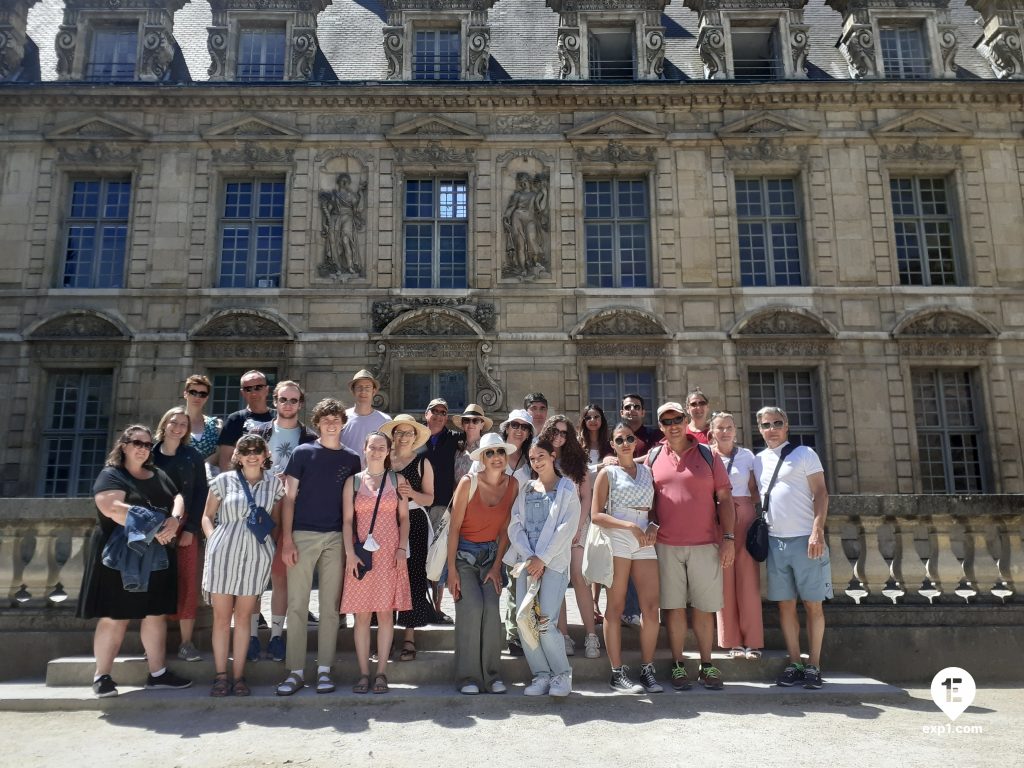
(362,684)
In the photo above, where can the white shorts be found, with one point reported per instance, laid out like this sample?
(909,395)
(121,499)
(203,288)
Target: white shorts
(625,545)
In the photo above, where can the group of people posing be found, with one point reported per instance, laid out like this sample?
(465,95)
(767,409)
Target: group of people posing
(361,500)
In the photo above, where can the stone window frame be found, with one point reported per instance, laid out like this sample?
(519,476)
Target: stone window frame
(768,219)
(90,57)
(768,17)
(592,24)
(933,20)
(954,175)
(976,369)
(50,376)
(432,366)
(224,39)
(474,40)
(437,25)
(797,363)
(452,170)
(89,20)
(219,176)
(654,367)
(256,178)
(60,211)
(926,19)
(590,170)
(800,173)
(239,27)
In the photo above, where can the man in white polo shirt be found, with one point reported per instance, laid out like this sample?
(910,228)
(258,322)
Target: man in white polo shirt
(792,485)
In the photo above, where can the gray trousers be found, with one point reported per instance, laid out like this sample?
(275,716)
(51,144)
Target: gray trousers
(324,552)
(477,628)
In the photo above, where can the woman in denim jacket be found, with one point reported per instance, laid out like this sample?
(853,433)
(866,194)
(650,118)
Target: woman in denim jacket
(545,517)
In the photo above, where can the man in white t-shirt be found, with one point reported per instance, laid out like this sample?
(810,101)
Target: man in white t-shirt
(798,565)
(362,418)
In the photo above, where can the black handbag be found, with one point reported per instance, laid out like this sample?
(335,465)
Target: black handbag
(364,555)
(259,520)
(757,534)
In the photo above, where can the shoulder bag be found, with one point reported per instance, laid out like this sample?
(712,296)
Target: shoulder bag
(364,549)
(259,520)
(757,533)
(437,551)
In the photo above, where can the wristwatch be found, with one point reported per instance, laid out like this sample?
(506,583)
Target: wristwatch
(729,536)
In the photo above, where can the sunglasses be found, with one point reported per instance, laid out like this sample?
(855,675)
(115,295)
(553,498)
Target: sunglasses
(490,453)
(438,412)
(562,432)
(699,404)
(197,393)
(402,435)
(766,425)
(629,440)
(517,426)
(249,451)
(672,422)
(632,407)
(254,387)
(469,420)
(139,444)
(288,401)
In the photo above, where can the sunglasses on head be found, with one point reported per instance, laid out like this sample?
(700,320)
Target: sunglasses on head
(490,453)
(672,422)
(254,387)
(249,451)
(197,393)
(288,401)
(777,424)
(628,439)
(139,444)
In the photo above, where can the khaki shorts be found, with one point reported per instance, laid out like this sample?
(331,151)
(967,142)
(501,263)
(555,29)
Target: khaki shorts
(690,575)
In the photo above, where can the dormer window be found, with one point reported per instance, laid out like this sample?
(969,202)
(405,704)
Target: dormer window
(261,52)
(755,52)
(436,54)
(612,54)
(113,53)
(904,53)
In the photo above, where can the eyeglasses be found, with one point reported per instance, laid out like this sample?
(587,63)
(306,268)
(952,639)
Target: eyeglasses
(140,444)
(672,422)
(249,451)
(468,420)
(402,435)
(562,432)
(254,387)
(438,412)
(288,401)
(594,417)
(490,453)
(632,407)
(699,404)
(630,439)
(766,425)
(518,426)
(197,393)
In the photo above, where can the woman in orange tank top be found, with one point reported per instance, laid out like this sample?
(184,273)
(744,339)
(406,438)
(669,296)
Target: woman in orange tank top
(477,540)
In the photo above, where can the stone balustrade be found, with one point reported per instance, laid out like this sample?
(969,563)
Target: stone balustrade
(885,550)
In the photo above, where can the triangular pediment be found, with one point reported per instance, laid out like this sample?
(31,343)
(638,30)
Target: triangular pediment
(97,128)
(434,127)
(765,124)
(920,124)
(615,126)
(251,127)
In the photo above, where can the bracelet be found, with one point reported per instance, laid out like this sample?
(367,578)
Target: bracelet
(729,536)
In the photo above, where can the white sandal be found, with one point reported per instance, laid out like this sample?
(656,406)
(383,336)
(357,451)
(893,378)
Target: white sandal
(738,652)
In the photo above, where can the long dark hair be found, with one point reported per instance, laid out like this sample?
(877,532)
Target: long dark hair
(603,433)
(572,459)
(545,444)
(387,441)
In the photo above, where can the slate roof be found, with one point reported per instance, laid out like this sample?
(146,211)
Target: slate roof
(523,34)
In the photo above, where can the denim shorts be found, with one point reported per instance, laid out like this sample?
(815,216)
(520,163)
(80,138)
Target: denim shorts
(792,574)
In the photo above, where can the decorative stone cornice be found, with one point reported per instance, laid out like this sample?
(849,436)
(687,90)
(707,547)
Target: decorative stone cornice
(589,6)
(615,152)
(13,24)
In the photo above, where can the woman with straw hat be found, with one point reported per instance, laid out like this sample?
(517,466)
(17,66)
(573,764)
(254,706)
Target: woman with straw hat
(415,484)
(474,424)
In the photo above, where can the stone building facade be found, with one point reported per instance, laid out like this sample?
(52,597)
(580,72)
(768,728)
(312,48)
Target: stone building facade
(818,205)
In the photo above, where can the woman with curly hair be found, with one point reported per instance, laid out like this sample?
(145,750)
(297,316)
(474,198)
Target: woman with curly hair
(594,434)
(237,562)
(571,462)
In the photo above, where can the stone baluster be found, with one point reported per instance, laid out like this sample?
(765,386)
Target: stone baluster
(890,547)
(875,566)
(926,547)
(852,536)
(993,568)
(961,540)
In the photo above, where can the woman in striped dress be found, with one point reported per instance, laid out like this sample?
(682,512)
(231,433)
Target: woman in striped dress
(237,563)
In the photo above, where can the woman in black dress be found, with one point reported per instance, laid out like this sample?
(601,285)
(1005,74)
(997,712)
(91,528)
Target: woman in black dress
(415,483)
(130,479)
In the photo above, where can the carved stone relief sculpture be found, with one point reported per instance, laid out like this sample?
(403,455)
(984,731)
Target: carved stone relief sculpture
(67,39)
(13,23)
(304,45)
(343,218)
(1002,36)
(798,46)
(654,50)
(525,221)
(478,60)
(394,50)
(711,45)
(217,45)
(569,53)
(857,44)
(157,53)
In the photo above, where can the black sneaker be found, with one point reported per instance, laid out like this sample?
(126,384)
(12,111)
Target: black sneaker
(648,680)
(514,648)
(620,681)
(104,687)
(679,679)
(791,675)
(812,677)
(311,619)
(261,621)
(710,677)
(167,680)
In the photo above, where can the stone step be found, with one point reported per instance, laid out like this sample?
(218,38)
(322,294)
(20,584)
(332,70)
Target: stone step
(840,689)
(429,668)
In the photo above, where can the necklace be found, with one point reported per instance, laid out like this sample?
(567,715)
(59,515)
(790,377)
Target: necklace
(375,474)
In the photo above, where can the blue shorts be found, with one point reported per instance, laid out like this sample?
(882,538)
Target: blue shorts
(792,574)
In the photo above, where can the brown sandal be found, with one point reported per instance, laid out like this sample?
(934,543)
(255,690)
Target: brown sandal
(362,685)
(380,684)
(408,651)
(240,688)
(220,687)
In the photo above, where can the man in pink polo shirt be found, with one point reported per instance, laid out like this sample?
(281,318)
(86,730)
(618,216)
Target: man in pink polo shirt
(696,539)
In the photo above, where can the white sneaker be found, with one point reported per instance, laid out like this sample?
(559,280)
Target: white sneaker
(592,647)
(470,689)
(561,685)
(498,687)
(539,687)
(570,646)
(631,621)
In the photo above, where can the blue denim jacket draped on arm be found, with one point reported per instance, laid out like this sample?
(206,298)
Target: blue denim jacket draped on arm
(132,550)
